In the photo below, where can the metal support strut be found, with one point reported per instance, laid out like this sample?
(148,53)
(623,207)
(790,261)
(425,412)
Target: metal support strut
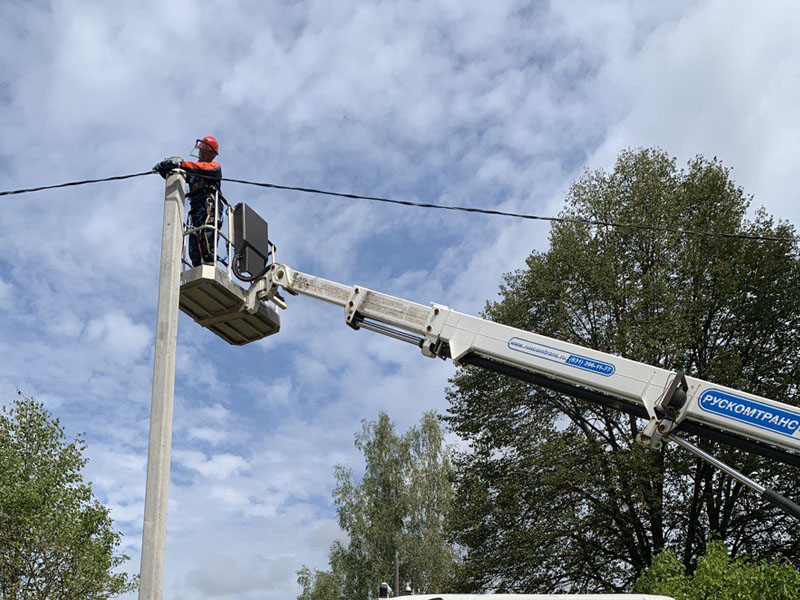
(768,494)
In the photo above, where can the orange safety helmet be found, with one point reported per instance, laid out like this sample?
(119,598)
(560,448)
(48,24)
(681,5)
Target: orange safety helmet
(208,143)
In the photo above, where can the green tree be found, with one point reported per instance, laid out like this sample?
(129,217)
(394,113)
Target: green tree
(719,577)
(399,506)
(319,585)
(554,494)
(56,539)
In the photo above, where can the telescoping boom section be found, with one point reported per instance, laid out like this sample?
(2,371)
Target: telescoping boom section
(670,401)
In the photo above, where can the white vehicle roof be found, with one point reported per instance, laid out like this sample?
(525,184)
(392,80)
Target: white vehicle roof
(534,597)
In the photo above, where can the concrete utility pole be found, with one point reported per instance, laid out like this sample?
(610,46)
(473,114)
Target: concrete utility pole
(154,530)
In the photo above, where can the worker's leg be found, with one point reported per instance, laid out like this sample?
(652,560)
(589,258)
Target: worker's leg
(198,241)
(207,237)
(194,249)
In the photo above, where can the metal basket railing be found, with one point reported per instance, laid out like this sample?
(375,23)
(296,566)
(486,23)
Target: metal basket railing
(224,233)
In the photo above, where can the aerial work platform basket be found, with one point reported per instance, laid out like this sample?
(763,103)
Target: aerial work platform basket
(217,303)
(209,294)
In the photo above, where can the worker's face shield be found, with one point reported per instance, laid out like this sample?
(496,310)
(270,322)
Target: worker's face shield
(202,150)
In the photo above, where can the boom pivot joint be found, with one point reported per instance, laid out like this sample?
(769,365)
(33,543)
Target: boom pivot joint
(665,414)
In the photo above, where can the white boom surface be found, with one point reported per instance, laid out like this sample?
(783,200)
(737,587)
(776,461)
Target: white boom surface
(440,331)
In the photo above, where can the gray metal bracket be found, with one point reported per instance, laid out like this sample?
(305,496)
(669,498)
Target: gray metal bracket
(354,302)
(665,414)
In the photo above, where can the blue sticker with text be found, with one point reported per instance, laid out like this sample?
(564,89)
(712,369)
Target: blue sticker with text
(560,356)
(750,411)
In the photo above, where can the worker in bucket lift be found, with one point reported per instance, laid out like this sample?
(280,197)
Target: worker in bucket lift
(203,177)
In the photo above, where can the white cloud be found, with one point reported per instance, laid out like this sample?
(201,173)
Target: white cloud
(229,576)
(6,291)
(207,434)
(118,336)
(271,394)
(324,534)
(216,466)
(725,76)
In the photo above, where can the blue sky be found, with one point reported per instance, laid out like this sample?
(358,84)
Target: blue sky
(498,104)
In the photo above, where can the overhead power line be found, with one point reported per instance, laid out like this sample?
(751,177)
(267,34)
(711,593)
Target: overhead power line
(468,209)
(487,211)
(73,183)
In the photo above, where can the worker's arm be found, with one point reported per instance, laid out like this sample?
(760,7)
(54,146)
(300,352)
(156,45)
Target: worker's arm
(211,169)
(167,165)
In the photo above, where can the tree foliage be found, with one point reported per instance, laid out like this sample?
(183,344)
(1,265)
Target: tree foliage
(719,577)
(554,494)
(56,539)
(399,506)
(319,585)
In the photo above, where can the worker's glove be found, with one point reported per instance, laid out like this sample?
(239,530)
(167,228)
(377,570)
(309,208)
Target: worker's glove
(167,165)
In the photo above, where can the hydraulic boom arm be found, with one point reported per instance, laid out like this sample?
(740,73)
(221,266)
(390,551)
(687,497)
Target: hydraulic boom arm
(669,400)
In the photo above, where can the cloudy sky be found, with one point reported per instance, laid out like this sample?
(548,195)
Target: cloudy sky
(496,104)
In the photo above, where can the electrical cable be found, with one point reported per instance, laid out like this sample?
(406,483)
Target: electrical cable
(485,211)
(73,183)
(237,266)
(469,209)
